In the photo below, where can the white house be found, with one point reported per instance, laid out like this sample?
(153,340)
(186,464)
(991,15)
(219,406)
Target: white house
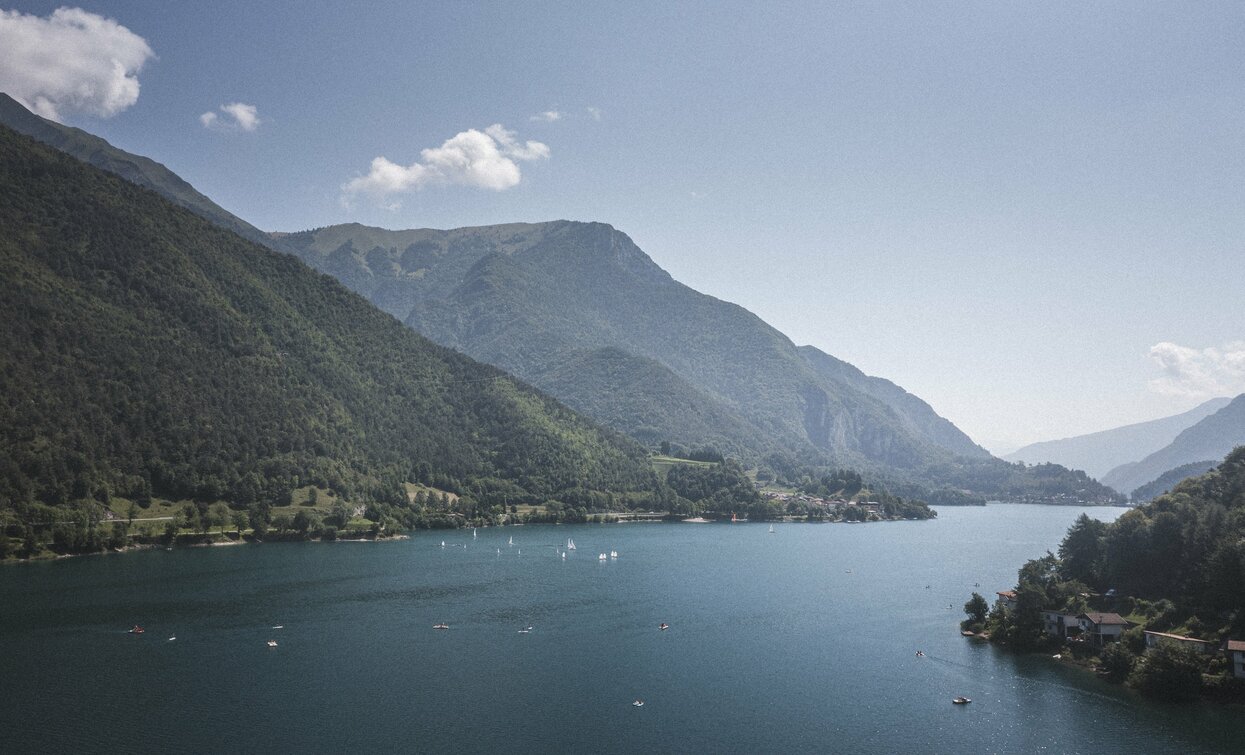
(1154,639)
(1060,624)
(1236,656)
(1100,627)
(1006,599)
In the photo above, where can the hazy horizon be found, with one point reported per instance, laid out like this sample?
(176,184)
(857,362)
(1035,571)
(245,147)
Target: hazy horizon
(1027,216)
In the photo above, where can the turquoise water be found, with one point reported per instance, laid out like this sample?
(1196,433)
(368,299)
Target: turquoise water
(802,640)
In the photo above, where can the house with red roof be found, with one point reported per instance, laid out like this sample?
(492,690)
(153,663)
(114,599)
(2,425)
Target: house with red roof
(1101,627)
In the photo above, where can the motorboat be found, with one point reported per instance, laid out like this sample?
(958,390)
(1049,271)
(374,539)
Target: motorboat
(440,626)
(137,630)
(663,626)
(272,643)
(638,703)
(962,700)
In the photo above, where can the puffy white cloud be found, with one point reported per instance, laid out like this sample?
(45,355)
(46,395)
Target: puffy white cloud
(483,159)
(549,116)
(70,62)
(239,117)
(1213,371)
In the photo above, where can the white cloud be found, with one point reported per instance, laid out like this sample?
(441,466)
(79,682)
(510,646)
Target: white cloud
(239,117)
(594,112)
(549,116)
(70,62)
(1213,371)
(483,159)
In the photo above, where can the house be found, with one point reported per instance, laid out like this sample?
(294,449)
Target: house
(1236,657)
(1154,639)
(1006,599)
(1101,628)
(1060,624)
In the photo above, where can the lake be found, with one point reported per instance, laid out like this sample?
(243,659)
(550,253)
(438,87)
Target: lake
(802,640)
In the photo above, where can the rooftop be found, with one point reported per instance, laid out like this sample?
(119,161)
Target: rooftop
(1104,618)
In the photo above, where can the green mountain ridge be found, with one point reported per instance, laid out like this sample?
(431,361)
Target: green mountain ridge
(147,351)
(534,298)
(1165,482)
(133,168)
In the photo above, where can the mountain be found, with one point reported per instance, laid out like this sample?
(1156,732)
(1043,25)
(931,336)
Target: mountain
(146,351)
(1211,438)
(918,416)
(1100,452)
(582,312)
(134,168)
(532,298)
(1168,480)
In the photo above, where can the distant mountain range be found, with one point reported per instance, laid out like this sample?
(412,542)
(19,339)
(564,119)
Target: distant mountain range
(1099,453)
(146,351)
(581,312)
(1212,437)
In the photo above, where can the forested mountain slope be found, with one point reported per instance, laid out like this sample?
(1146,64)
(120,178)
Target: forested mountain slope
(524,296)
(134,168)
(580,311)
(146,351)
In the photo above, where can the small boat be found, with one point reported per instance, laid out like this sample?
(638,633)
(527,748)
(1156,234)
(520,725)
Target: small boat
(525,630)
(613,554)
(570,544)
(442,543)
(602,557)
(563,555)
(137,630)
(174,637)
(279,626)
(920,654)
(638,703)
(663,626)
(771,529)
(272,643)
(440,626)
(511,540)
(962,700)
(473,533)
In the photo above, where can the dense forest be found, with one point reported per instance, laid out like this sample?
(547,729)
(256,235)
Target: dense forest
(148,353)
(1176,565)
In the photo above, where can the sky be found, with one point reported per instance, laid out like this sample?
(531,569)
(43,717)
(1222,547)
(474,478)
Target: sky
(1027,214)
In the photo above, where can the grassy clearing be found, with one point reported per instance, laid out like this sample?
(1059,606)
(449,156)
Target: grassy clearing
(663,464)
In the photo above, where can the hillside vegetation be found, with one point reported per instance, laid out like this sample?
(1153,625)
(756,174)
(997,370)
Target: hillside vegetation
(1175,565)
(148,353)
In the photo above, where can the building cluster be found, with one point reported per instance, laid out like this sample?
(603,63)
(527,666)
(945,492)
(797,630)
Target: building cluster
(1101,627)
(873,507)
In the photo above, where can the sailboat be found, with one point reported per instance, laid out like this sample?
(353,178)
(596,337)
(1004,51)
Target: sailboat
(613,554)
(570,544)
(511,540)
(473,533)
(771,529)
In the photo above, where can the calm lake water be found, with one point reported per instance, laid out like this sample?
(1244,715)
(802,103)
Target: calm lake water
(802,640)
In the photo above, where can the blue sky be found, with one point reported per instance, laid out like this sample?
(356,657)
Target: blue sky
(1027,214)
